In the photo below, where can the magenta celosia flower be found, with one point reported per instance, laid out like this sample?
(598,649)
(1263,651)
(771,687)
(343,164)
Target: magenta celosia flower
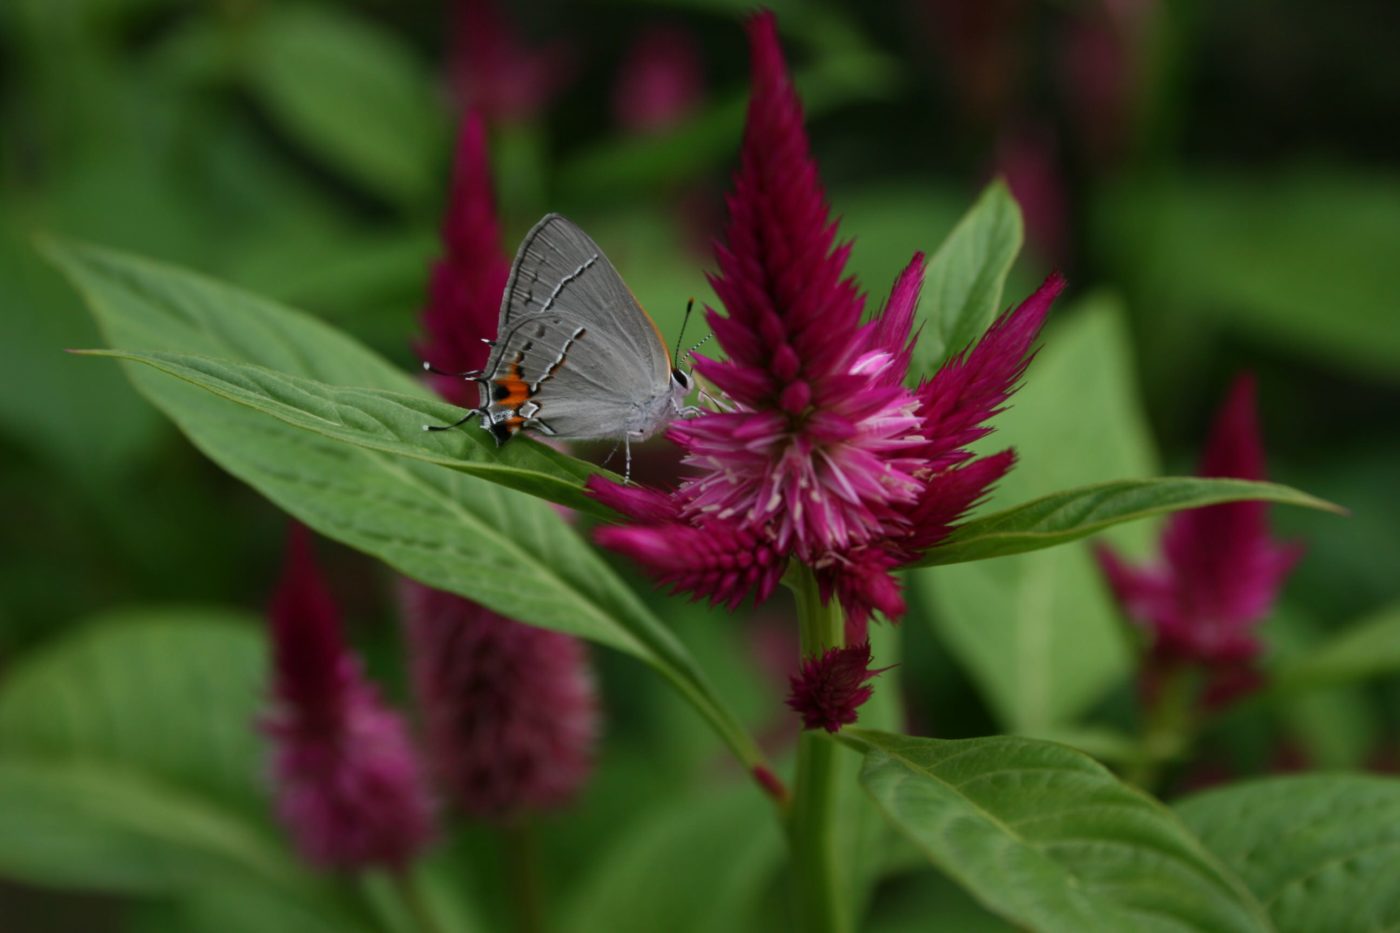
(829,689)
(510,712)
(493,70)
(661,81)
(464,292)
(348,784)
(1219,570)
(821,454)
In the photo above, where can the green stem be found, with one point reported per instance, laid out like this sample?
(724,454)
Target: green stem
(1169,725)
(522,866)
(819,901)
(410,893)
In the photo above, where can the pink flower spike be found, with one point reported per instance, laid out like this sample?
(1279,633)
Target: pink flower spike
(829,689)
(818,452)
(464,293)
(349,787)
(1220,569)
(510,712)
(719,561)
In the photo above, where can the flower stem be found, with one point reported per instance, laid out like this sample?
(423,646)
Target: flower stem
(410,893)
(1168,726)
(819,901)
(522,866)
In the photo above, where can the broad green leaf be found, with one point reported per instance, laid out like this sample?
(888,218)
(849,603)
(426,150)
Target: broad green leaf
(1367,648)
(1039,632)
(381,420)
(1076,513)
(963,285)
(129,762)
(348,92)
(90,824)
(1319,851)
(508,551)
(1047,837)
(171,694)
(698,865)
(1300,257)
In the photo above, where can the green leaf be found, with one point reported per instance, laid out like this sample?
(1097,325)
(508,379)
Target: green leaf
(963,285)
(1048,838)
(1077,513)
(1319,851)
(171,694)
(350,93)
(89,824)
(380,420)
(699,865)
(1039,632)
(1300,258)
(1368,648)
(510,552)
(127,754)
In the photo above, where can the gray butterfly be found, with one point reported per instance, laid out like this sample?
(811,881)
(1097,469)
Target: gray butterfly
(575,356)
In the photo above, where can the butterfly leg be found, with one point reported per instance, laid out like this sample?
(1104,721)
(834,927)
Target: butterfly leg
(627,471)
(460,421)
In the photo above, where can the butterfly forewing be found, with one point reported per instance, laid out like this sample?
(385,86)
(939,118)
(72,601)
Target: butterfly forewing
(560,268)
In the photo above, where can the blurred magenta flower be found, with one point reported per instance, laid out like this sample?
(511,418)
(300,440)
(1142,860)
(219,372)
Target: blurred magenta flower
(349,787)
(510,712)
(821,452)
(661,81)
(1028,159)
(1101,71)
(464,292)
(1219,572)
(828,690)
(496,72)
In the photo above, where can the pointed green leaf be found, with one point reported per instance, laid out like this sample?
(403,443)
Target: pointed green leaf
(1040,633)
(1077,513)
(377,419)
(510,552)
(1368,648)
(1048,838)
(963,285)
(1319,851)
(348,92)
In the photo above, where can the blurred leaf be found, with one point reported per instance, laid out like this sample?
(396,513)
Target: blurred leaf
(1367,648)
(1300,258)
(932,902)
(1321,852)
(88,824)
(1040,633)
(1076,513)
(129,762)
(350,93)
(170,694)
(1105,744)
(887,223)
(1048,838)
(963,286)
(385,421)
(698,865)
(86,422)
(628,165)
(508,551)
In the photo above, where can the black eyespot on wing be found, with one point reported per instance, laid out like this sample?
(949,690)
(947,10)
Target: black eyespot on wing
(501,432)
(499,392)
